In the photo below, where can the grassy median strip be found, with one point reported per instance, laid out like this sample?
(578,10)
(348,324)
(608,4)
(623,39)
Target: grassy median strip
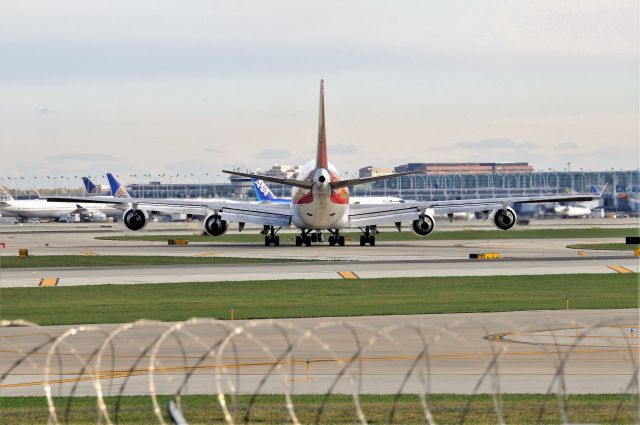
(606,246)
(407,235)
(49,261)
(317,298)
(270,409)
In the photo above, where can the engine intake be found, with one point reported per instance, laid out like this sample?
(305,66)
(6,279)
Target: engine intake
(504,219)
(215,225)
(424,225)
(135,219)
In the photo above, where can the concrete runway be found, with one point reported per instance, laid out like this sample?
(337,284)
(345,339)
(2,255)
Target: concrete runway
(458,350)
(387,259)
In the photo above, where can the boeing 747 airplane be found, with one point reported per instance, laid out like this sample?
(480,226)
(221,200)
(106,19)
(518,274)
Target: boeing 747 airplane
(320,202)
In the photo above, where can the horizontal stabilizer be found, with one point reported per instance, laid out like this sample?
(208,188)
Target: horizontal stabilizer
(354,182)
(288,182)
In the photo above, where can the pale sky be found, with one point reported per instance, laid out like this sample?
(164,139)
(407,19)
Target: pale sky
(194,87)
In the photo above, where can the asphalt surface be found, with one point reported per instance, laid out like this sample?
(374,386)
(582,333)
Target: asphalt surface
(387,259)
(458,351)
(456,355)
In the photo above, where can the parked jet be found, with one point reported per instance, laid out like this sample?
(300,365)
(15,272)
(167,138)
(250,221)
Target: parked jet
(320,202)
(578,210)
(24,209)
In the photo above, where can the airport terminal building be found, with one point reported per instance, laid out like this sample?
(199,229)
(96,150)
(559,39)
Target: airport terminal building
(438,181)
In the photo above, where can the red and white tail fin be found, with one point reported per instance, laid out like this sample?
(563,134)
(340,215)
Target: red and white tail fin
(321,157)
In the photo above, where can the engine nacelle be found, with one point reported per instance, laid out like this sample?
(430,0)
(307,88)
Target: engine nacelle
(135,219)
(215,225)
(504,219)
(424,225)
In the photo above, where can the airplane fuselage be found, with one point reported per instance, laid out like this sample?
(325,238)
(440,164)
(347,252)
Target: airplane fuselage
(36,208)
(319,207)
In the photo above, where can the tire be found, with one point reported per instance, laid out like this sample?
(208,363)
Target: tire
(363,240)
(267,241)
(332,241)
(341,240)
(307,240)
(298,240)
(372,241)
(314,237)
(276,241)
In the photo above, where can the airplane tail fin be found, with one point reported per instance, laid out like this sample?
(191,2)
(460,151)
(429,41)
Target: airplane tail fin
(321,156)
(89,186)
(594,189)
(117,190)
(263,193)
(5,195)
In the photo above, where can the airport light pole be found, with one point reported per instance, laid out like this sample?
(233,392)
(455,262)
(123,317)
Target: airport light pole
(14,186)
(197,176)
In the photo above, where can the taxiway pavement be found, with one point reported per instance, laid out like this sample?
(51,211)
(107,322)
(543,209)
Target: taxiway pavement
(387,259)
(597,349)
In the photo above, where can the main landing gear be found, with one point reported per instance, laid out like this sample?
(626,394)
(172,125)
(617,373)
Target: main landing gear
(336,238)
(271,238)
(367,237)
(308,236)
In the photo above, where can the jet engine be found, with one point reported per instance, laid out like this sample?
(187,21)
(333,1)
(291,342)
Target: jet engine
(504,219)
(215,225)
(424,225)
(135,219)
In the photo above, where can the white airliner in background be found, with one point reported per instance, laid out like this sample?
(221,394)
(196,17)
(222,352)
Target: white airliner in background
(24,209)
(572,211)
(320,202)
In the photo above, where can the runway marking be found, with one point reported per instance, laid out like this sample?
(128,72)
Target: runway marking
(511,337)
(348,275)
(89,253)
(207,254)
(620,269)
(49,281)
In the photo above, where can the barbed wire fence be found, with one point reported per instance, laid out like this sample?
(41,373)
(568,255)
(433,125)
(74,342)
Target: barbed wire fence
(236,363)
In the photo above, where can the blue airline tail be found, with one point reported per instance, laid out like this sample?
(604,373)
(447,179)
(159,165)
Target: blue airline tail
(594,189)
(264,194)
(89,186)
(117,190)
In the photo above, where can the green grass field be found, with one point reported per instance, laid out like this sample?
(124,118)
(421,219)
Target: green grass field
(123,260)
(316,298)
(270,409)
(606,246)
(407,235)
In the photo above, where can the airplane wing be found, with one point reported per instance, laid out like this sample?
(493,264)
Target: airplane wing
(363,180)
(244,212)
(289,182)
(370,214)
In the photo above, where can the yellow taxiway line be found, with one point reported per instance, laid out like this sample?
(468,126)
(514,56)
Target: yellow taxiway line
(620,269)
